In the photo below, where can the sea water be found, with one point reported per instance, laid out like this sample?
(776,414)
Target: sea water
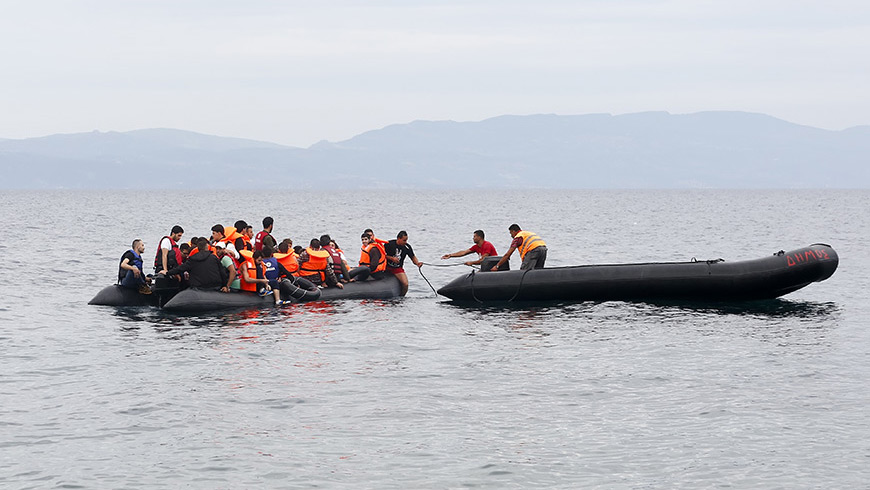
(419,392)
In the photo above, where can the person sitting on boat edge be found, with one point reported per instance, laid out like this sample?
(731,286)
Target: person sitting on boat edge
(130,273)
(372,260)
(272,271)
(227,255)
(204,269)
(396,251)
(338,265)
(265,237)
(315,265)
(482,247)
(533,250)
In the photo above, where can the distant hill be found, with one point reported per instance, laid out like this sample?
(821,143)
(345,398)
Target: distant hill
(643,150)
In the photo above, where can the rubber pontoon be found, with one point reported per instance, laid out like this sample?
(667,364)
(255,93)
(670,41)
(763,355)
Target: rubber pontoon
(711,280)
(198,300)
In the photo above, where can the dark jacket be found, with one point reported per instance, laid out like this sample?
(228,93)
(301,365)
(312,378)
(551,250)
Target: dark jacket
(205,271)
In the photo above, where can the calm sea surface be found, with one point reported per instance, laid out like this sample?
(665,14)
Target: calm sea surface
(420,393)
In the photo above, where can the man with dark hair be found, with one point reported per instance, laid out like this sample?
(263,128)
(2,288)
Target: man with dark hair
(338,265)
(533,250)
(265,237)
(315,265)
(168,253)
(204,268)
(130,274)
(396,251)
(217,234)
(482,247)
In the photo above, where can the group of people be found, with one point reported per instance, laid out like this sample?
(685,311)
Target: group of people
(235,259)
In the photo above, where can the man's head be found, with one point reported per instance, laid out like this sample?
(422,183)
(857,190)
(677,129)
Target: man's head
(267,251)
(176,233)
(284,246)
(314,244)
(324,240)
(369,232)
(478,237)
(257,257)
(241,225)
(185,249)
(138,246)
(249,232)
(220,249)
(365,238)
(217,232)
(267,223)
(202,244)
(402,238)
(514,229)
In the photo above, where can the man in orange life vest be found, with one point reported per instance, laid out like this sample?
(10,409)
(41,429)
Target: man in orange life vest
(533,250)
(372,260)
(315,265)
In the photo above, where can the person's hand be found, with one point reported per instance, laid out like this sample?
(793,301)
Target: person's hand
(445,256)
(340,286)
(225,290)
(136,272)
(164,271)
(469,262)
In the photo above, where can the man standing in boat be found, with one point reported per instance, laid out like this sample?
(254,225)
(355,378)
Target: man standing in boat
(482,247)
(533,250)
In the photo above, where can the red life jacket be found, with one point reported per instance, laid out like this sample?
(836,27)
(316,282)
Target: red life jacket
(175,252)
(336,259)
(258,240)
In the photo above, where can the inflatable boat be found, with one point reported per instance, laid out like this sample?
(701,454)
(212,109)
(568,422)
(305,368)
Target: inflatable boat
(199,300)
(706,280)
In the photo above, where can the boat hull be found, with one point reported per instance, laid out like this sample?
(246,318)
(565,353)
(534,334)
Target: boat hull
(765,278)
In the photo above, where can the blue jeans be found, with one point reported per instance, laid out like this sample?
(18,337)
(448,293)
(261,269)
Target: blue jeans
(131,281)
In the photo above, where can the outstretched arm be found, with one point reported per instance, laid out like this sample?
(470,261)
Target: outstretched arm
(504,258)
(461,253)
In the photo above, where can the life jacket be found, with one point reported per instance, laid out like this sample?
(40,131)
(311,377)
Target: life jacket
(289,261)
(174,256)
(530,242)
(318,261)
(137,262)
(258,240)
(379,241)
(365,259)
(230,235)
(248,244)
(248,260)
(336,259)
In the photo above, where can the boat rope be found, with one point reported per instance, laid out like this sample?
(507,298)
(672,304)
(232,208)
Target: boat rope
(520,286)
(443,265)
(472,288)
(420,269)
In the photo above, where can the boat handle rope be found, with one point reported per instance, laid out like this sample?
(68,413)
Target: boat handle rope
(520,286)
(420,269)
(472,288)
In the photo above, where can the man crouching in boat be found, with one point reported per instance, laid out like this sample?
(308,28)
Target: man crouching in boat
(533,250)
(204,268)
(130,274)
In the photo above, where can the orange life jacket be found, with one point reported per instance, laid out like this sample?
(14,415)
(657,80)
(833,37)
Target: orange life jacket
(365,258)
(251,268)
(316,264)
(289,261)
(530,242)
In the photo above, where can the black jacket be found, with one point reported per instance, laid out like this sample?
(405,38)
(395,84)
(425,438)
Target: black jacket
(205,271)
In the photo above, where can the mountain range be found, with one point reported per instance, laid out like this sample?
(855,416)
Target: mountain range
(642,150)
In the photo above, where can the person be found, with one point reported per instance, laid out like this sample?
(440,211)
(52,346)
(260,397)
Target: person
(265,237)
(372,236)
(396,251)
(243,241)
(272,271)
(338,265)
(185,251)
(253,277)
(168,253)
(533,250)
(287,257)
(315,265)
(218,234)
(482,247)
(227,256)
(204,268)
(372,260)
(130,274)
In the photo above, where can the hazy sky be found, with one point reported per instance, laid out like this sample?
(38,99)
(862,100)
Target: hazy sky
(297,72)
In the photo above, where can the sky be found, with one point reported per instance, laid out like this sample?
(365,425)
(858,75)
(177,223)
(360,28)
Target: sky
(296,73)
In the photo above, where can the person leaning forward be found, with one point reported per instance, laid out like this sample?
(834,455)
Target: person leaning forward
(482,247)
(533,250)
(205,269)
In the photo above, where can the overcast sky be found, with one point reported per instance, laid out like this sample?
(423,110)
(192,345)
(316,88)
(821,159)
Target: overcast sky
(298,72)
